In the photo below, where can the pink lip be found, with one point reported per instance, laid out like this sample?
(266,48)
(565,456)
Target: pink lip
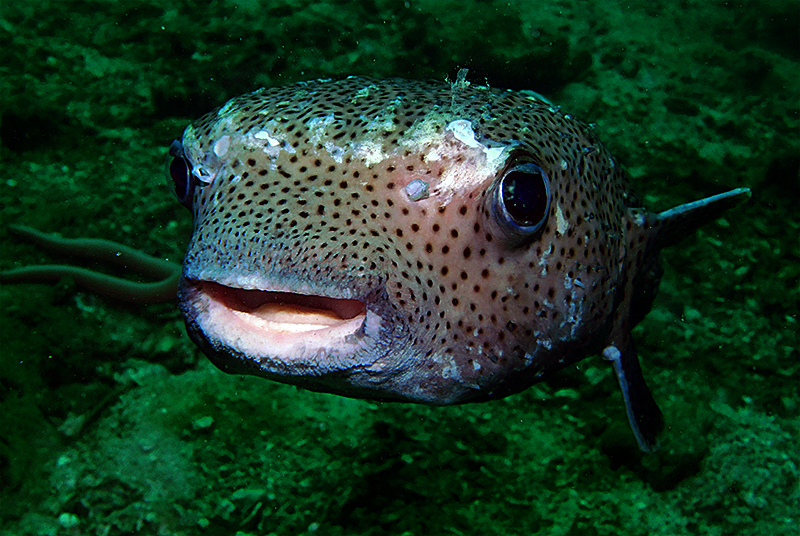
(268,325)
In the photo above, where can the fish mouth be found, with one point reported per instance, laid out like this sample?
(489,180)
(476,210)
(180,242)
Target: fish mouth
(286,312)
(275,330)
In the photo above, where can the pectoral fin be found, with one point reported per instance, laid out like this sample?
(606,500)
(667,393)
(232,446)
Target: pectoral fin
(644,415)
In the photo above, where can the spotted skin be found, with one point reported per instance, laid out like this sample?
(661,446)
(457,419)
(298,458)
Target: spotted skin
(301,203)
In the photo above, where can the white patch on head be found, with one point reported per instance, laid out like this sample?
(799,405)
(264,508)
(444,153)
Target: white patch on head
(561,222)
(369,148)
(318,122)
(319,135)
(543,261)
(371,152)
(336,152)
(468,161)
(574,316)
(317,128)
(269,139)
(450,371)
(462,131)
(417,189)
(221,146)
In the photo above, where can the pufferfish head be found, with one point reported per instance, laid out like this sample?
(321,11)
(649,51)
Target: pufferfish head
(418,241)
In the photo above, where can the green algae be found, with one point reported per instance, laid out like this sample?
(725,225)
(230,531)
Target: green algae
(112,423)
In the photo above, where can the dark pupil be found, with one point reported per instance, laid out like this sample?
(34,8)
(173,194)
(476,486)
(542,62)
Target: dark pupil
(525,195)
(179,171)
(180,176)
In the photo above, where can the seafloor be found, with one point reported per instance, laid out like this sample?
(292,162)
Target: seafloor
(114,423)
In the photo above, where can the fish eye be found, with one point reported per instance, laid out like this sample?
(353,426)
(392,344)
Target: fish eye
(522,200)
(181,183)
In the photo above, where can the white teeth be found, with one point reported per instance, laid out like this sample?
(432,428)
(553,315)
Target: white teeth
(222,145)
(292,318)
(281,326)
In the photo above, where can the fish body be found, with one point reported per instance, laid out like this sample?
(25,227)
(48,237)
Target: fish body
(420,241)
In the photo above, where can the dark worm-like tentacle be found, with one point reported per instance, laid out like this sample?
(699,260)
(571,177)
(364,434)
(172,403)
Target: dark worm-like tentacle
(167,273)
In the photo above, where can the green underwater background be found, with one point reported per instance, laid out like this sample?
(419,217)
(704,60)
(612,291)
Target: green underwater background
(112,422)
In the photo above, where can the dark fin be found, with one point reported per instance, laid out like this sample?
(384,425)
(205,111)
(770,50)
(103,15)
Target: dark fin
(677,223)
(645,417)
